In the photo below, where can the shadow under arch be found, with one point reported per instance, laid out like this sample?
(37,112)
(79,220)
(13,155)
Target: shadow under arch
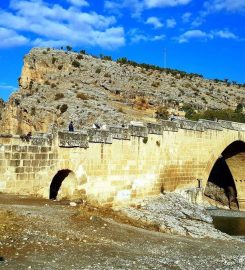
(57,182)
(221,185)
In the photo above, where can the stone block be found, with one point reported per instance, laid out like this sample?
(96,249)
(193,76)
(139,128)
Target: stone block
(19,170)
(7,148)
(120,133)
(25,156)
(154,128)
(210,124)
(38,141)
(169,125)
(7,155)
(99,136)
(15,156)
(45,149)
(33,149)
(138,131)
(14,162)
(73,139)
(191,125)
(26,163)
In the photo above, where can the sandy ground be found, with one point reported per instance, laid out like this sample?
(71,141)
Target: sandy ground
(42,234)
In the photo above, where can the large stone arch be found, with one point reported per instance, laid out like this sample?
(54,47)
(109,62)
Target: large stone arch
(230,157)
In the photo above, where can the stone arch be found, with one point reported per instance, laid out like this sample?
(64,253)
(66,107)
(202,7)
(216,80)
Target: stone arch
(225,172)
(64,185)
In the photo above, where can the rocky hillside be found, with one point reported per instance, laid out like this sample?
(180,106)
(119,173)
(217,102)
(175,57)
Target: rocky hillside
(57,86)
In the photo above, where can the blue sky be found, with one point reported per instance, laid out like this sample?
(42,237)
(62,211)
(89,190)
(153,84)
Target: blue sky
(205,37)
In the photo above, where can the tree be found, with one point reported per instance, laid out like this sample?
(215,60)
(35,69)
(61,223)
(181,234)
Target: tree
(69,48)
(189,111)
(122,60)
(162,113)
(239,108)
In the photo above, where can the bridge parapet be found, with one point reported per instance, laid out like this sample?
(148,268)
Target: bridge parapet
(83,138)
(170,126)
(211,124)
(39,139)
(191,125)
(232,125)
(99,136)
(120,133)
(72,139)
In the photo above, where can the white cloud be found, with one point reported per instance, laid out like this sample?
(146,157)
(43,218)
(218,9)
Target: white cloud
(204,36)
(138,6)
(53,24)
(137,36)
(7,87)
(186,17)
(10,38)
(171,23)
(79,3)
(193,34)
(225,34)
(165,3)
(228,5)
(159,37)
(154,21)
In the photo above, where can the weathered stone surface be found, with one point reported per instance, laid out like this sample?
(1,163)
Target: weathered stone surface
(138,131)
(154,128)
(172,213)
(120,133)
(73,139)
(190,125)
(232,125)
(99,136)
(211,124)
(169,126)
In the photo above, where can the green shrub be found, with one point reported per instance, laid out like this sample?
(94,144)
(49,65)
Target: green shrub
(79,57)
(155,84)
(82,96)
(63,108)
(58,96)
(162,113)
(75,64)
(53,60)
(98,70)
(33,111)
(69,48)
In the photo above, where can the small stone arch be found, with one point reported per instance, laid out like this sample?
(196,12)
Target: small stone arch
(64,185)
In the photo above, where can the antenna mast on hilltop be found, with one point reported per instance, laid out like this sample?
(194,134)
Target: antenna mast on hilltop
(165,57)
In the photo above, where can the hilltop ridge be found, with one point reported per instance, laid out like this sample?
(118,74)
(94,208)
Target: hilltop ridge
(58,86)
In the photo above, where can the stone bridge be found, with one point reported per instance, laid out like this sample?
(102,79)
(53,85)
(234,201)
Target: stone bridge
(119,165)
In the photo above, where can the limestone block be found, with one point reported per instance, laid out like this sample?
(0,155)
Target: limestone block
(120,133)
(73,139)
(100,136)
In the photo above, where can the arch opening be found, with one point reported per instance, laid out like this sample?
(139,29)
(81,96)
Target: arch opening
(221,185)
(57,182)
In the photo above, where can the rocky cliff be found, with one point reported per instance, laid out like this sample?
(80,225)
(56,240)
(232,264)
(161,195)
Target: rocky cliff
(57,86)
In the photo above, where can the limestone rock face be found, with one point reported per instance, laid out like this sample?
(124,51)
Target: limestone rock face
(172,213)
(57,86)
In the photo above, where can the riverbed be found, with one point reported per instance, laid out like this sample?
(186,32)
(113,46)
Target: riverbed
(48,235)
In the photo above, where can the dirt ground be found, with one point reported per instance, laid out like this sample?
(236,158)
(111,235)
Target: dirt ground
(43,234)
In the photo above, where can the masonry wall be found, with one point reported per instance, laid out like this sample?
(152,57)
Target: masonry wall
(117,166)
